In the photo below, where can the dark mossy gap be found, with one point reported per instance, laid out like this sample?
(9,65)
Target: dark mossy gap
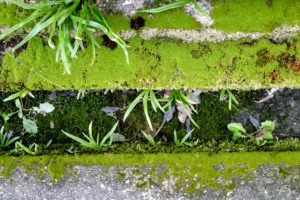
(74,116)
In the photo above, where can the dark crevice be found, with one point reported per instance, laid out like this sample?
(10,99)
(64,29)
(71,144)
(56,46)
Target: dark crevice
(137,23)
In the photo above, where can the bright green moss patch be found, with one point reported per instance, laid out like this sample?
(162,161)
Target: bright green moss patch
(160,63)
(184,165)
(118,22)
(11,14)
(254,15)
(176,18)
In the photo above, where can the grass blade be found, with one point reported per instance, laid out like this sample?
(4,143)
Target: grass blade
(50,43)
(132,105)
(108,135)
(149,138)
(232,97)
(186,137)
(62,47)
(67,12)
(200,9)
(222,95)
(77,139)
(35,6)
(175,138)
(33,16)
(38,27)
(152,95)
(145,105)
(169,6)
(90,23)
(188,114)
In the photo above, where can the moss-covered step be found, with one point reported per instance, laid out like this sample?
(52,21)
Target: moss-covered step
(185,174)
(164,63)
(159,64)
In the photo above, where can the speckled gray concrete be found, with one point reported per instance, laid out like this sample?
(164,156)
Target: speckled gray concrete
(284,107)
(95,182)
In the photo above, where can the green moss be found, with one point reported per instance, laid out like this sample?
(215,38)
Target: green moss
(118,22)
(254,15)
(184,166)
(11,14)
(229,64)
(176,18)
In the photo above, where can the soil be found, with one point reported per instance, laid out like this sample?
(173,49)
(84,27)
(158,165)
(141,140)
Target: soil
(137,23)
(108,43)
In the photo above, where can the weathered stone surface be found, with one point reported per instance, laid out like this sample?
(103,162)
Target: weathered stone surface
(267,181)
(284,108)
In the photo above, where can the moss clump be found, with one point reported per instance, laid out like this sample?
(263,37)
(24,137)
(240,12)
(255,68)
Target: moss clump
(254,15)
(229,64)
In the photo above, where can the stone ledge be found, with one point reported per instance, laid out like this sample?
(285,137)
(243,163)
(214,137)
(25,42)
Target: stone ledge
(262,175)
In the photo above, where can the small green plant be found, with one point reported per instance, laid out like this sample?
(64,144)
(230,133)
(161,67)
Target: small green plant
(92,143)
(27,115)
(145,96)
(176,4)
(178,97)
(5,141)
(20,94)
(81,94)
(66,17)
(183,141)
(231,98)
(150,139)
(261,136)
(33,149)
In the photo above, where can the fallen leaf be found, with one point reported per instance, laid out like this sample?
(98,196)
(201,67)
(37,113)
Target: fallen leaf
(30,126)
(167,94)
(52,124)
(182,115)
(168,116)
(270,95)
(10,133)
(255,122)
(260,133)
(118,137)
(110,109)
(52,96)
(188,126)
(44,108)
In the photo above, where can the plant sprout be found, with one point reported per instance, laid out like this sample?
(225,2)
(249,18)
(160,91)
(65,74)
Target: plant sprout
(150,139)
(183,141)
(92,143)
(176,4)
(33,149)
(5,141)
(177,96)
(144,96)
(231,98)
(66,16)
(263,133)
(21,94)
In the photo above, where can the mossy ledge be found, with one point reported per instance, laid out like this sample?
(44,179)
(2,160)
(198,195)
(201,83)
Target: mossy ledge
(159,64)
(185,166)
